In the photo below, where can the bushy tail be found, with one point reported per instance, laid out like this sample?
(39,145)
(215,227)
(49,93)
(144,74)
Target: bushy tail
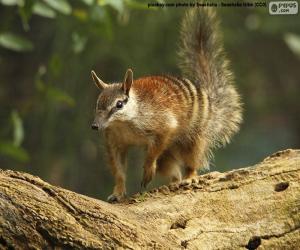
(202,60)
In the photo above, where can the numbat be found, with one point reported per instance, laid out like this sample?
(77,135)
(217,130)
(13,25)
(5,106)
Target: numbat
(179,119)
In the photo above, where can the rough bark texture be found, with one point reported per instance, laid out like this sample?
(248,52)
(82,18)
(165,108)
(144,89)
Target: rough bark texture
(256,208)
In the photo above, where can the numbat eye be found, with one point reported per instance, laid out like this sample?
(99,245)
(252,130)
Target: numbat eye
(119,104)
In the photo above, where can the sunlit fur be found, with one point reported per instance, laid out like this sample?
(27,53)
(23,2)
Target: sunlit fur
(179,121)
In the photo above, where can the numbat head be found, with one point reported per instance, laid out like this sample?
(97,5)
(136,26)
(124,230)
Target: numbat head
(113,103)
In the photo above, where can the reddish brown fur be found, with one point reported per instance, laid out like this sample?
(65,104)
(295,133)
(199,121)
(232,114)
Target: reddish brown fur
(162,93)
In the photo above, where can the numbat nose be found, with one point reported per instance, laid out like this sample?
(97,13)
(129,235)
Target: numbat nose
(95,126)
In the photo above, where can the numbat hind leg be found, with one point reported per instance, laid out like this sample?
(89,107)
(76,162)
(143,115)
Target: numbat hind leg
(168,166)
(194,157)
(153,153)
(190,173)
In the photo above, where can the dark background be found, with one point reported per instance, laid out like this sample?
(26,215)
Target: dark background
(48,48)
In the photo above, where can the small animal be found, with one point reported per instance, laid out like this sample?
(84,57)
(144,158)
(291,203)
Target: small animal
(179,120)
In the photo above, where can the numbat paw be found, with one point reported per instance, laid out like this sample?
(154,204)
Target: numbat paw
(189,181)
(148,176)
(114,198)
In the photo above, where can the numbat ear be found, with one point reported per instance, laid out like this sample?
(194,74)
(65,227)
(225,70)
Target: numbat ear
(128,80)
(99,83)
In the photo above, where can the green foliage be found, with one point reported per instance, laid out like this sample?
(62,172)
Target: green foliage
(12,148)
(54,94)
(12,2)
(43,10)
(58,95)
(139,5)
(15,42)
(116,4)
(25,12)
(18,129)
(88,2)
(61,6)
(78,42)
(8,149)
(293,42)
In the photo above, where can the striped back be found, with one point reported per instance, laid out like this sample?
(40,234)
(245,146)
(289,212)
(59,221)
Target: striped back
(179,95)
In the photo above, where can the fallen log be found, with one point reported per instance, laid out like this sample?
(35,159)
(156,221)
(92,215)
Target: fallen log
(248,208)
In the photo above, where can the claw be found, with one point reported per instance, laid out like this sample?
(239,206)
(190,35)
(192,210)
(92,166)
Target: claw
(148,176)
(144,184)
(146,181)
(113,198)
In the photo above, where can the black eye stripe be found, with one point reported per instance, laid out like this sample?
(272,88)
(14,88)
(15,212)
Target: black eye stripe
(115,109)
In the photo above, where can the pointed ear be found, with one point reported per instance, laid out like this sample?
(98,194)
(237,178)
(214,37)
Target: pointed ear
(128,80)
(99,83)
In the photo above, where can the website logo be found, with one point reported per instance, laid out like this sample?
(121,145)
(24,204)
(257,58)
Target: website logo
(283,8)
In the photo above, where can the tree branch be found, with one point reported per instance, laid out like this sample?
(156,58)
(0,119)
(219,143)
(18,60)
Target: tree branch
(244,208)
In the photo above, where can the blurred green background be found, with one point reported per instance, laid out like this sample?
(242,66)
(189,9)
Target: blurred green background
(48,48)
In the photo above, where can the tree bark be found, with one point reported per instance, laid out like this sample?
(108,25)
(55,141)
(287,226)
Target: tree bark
(248,208)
